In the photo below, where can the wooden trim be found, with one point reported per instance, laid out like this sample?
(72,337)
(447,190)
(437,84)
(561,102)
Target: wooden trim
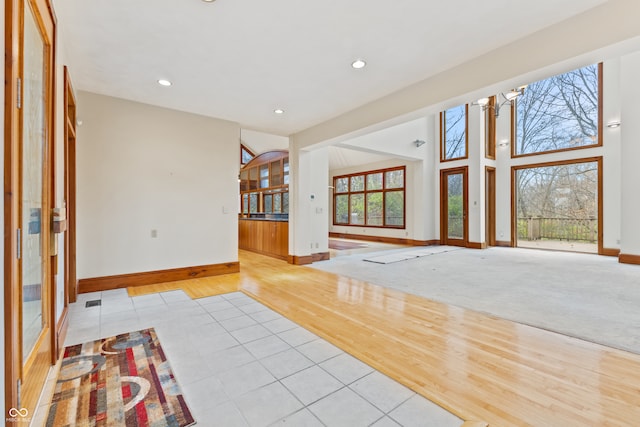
(320,256)
(476,245)
(596,159)
(266,157)
(629,259)
(490,198)
(248,150)
(503,244)
(300,260)
(382,239)
(610,252)
(106,283)
(490,131)
(70,278)
(265,253)
(62,328)
(561,150)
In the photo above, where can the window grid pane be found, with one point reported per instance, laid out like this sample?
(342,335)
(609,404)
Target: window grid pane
(357,209)
(374,208)
(394,208)
(357,183)
(454,142)
(374,181)
(342,209)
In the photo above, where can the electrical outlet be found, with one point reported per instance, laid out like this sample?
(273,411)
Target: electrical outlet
(154,234)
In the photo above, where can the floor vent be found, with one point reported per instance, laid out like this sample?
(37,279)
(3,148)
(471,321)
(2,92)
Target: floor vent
(93,303)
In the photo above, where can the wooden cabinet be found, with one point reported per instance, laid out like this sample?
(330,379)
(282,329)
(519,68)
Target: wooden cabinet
(264,236)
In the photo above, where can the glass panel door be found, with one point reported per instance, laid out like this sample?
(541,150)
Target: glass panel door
(455,207)
(32,162)
(453,219)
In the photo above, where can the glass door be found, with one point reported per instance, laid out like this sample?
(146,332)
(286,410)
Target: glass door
(453,203)
(33,353)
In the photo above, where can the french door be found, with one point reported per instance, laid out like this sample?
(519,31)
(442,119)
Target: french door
(28,144)
(454,223)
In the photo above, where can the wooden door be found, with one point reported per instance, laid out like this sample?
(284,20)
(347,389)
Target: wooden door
(454,224)
(28,252)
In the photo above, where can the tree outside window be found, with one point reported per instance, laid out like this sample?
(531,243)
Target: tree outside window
(559,113)
(453,125)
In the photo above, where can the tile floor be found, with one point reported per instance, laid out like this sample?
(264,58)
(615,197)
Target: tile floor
(241,364)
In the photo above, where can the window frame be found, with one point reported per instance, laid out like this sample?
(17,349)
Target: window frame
(490,129)
(443,135)
(251,153)
(366,192)
(514,110)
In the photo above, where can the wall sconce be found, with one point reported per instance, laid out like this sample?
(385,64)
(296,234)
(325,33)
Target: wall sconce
(613,124)
(503,143)
(419,143)
(507,97)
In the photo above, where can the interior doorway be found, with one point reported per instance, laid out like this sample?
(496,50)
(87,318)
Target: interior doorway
(454,223)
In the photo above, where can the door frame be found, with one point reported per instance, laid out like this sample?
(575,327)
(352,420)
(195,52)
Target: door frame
(444,235)
(490,197)
(26,394)
(600,202)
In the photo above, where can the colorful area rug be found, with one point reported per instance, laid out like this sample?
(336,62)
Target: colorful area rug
(124,380)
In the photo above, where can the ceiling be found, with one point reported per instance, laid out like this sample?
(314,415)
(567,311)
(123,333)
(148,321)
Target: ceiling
(240,59)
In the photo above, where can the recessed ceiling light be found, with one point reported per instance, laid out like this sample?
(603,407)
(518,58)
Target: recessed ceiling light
(278,111)
(208,1)
(358,63)
(163,82)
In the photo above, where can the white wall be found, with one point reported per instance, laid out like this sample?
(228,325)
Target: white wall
(260,142)
(308,201)
(630,129)
(142,168)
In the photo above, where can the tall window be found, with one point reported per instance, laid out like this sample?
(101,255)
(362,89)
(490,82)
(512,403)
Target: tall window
(374,198)
(453,133)
(559,113)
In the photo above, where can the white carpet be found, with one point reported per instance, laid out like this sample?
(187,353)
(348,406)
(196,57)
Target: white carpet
(403,256)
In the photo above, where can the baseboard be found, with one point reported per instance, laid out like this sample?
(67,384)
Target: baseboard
(152,277)
(503,243)
(629,259)
(380,239)
(300,260)
(61,331)
(476,245)
(269,254)
(320,256)
(610,252)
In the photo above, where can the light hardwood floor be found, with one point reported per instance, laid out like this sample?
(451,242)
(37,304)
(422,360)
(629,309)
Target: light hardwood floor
(481,368)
